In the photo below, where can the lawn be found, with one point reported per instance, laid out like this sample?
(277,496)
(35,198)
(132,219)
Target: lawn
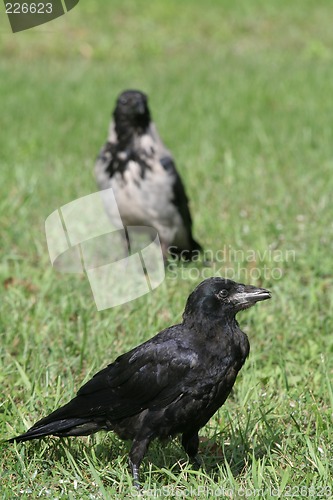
(242,94)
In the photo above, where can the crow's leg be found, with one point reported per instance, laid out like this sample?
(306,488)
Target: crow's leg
(165,251)
(127,242)
(137,452)
(190,442)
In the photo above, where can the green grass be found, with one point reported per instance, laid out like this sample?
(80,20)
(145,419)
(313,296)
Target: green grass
(241,93)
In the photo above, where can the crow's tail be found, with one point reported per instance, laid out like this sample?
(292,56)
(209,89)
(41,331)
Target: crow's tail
(60,428)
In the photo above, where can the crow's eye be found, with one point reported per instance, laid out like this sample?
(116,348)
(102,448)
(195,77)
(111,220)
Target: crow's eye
(223,293)
(123,100)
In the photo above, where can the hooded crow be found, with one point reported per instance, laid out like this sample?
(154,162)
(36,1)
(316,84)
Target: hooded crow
(171,384)
(141,171)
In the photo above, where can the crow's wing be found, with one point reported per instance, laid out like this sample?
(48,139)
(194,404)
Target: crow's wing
(180,199)
(150,376)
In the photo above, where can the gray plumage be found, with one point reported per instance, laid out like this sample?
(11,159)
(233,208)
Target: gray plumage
(148,190)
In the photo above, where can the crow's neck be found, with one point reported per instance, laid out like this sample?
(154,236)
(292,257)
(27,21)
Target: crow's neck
(217,328)
(215,320)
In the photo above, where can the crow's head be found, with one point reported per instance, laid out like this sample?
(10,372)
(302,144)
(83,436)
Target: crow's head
(132,109)
(218,297)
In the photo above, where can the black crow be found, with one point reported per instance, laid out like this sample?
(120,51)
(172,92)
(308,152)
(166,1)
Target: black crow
(171,384)
(141,171)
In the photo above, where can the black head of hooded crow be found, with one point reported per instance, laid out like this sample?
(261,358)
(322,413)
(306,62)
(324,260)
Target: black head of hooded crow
(131,114)
(148,190)
(171,384)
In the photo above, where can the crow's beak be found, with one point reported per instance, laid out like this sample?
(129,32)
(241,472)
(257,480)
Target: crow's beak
(140,108)
(249,295)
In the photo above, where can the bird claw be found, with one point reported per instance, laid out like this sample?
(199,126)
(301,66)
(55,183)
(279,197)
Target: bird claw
(196,462)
